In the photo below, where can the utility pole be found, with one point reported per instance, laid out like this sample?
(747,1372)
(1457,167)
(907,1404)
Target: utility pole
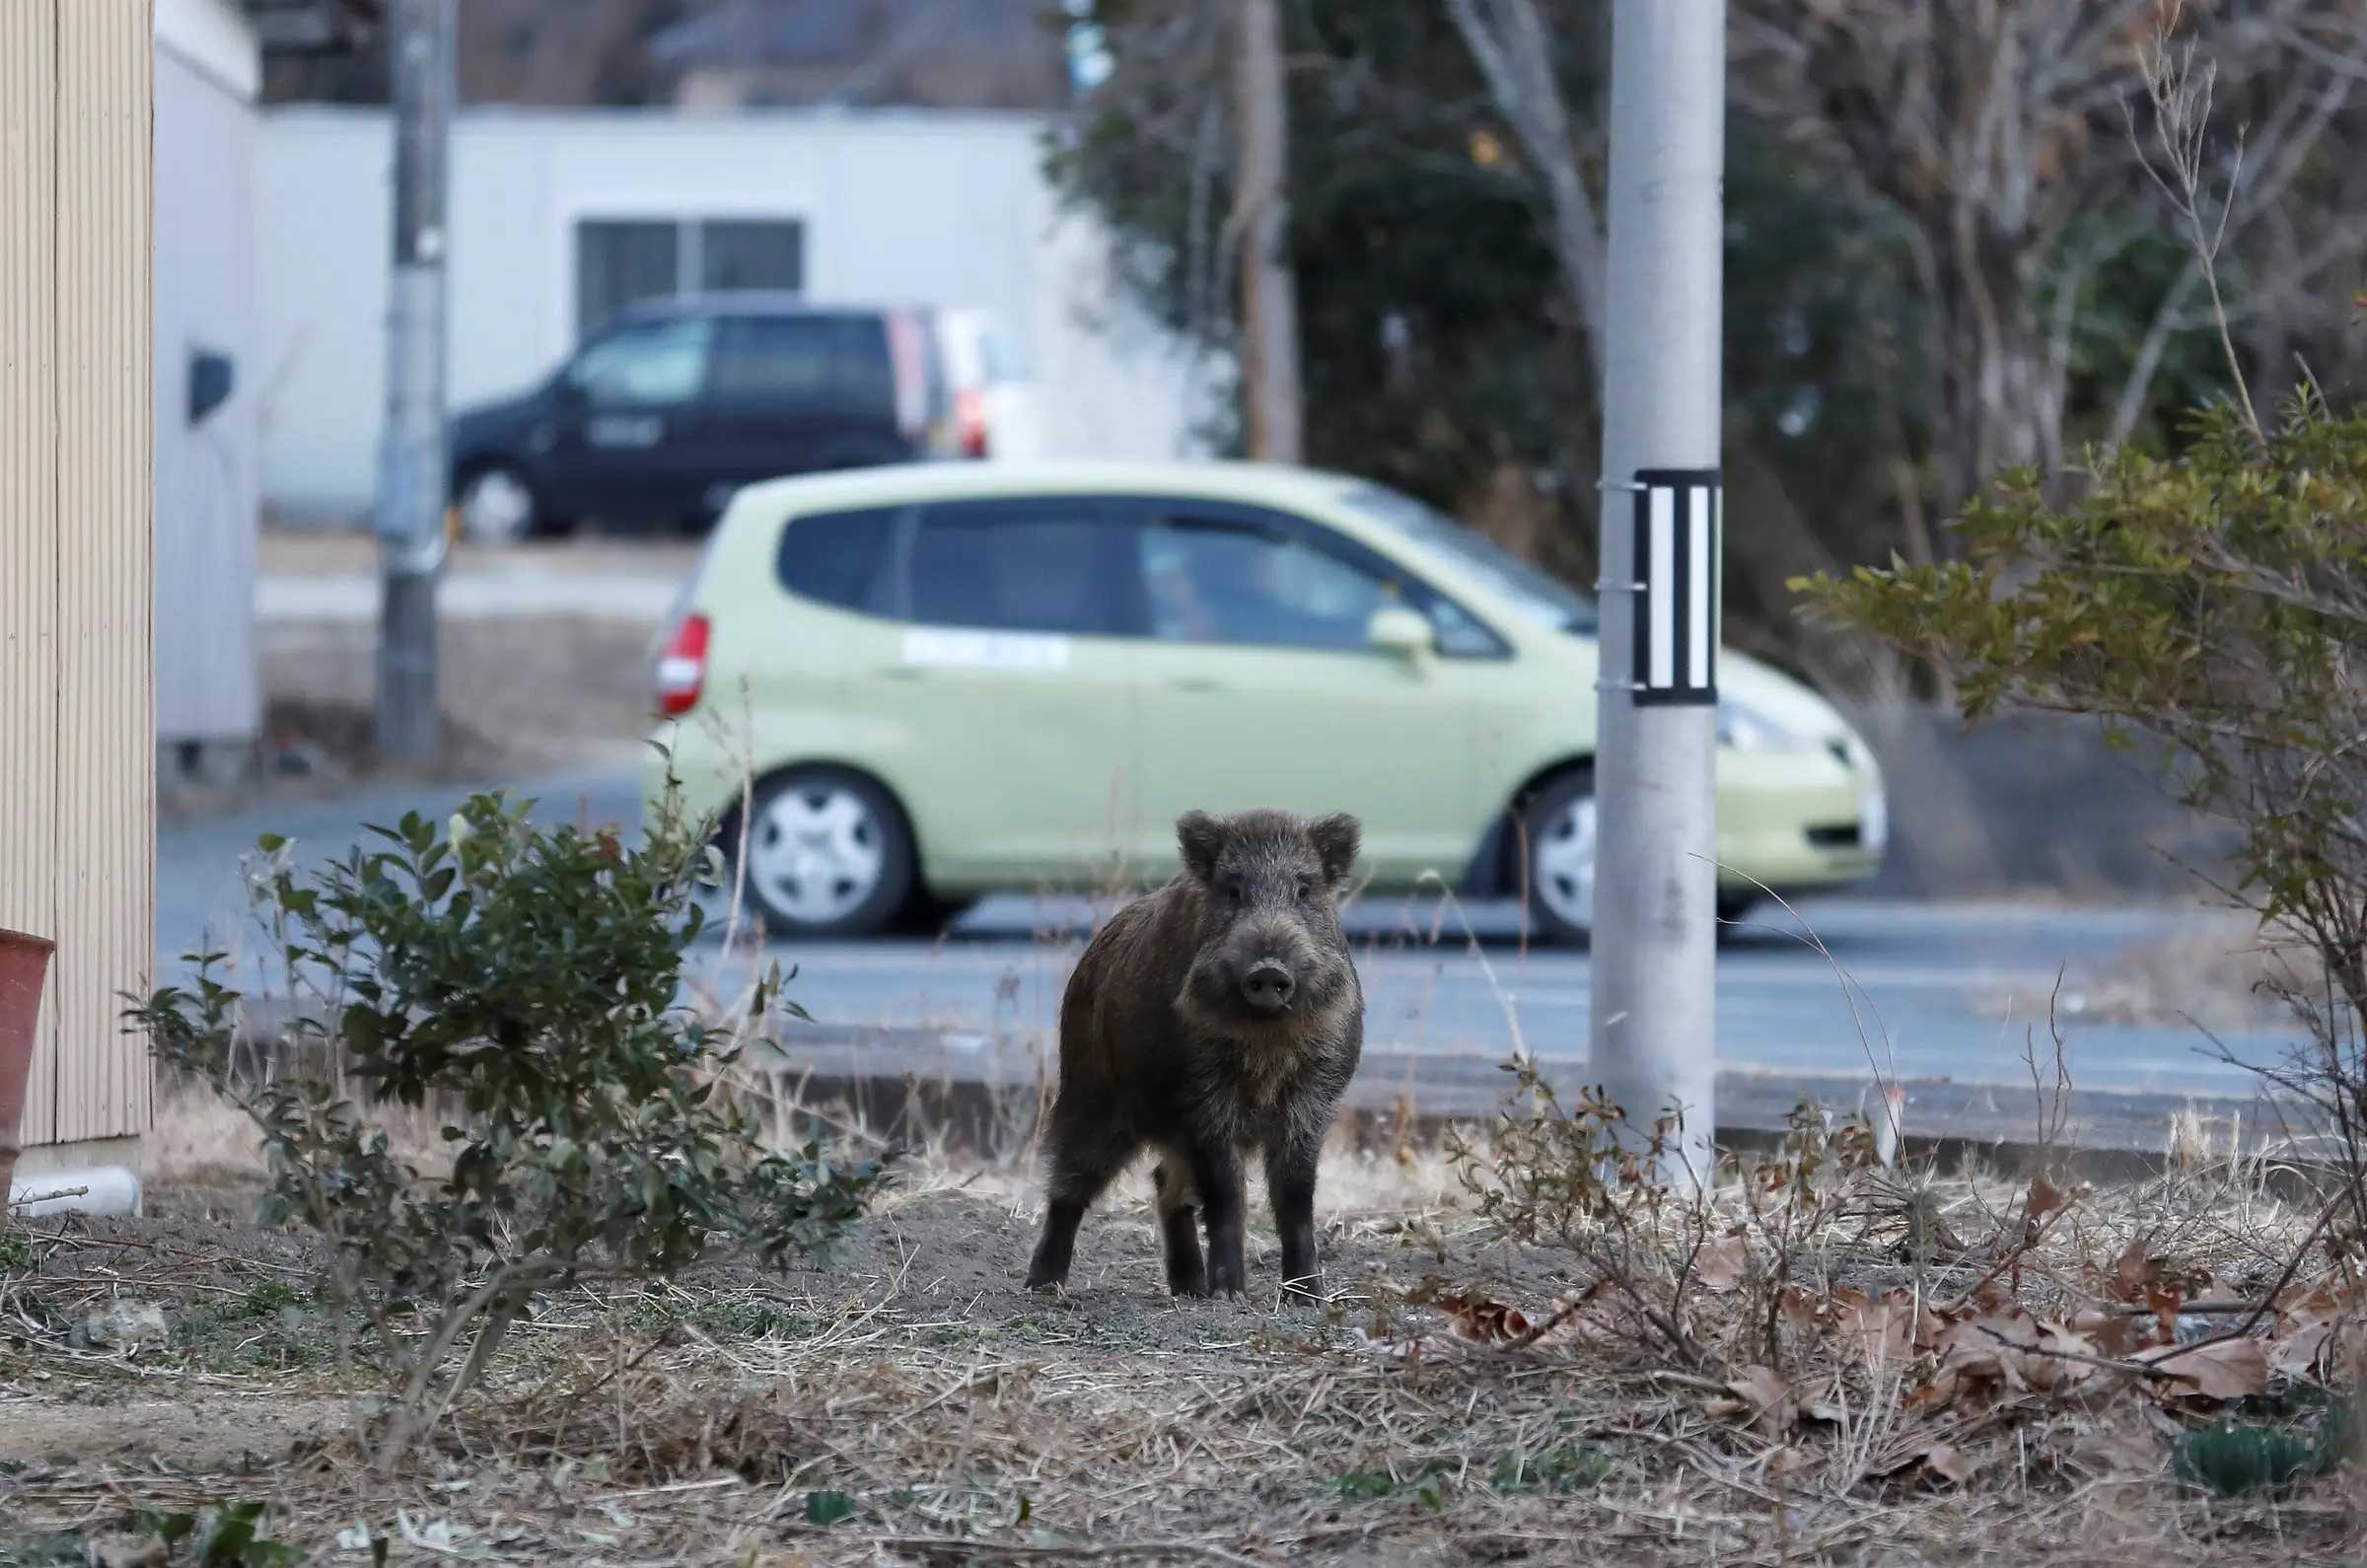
(1269,296)
(410,517)
(1653,1029)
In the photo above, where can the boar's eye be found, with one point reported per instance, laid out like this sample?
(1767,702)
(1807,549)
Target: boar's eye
(1306,888)
(1233,892)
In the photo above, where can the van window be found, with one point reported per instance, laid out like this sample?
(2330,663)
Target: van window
(1038,565)
(650,364)
(835,558)
(774,360)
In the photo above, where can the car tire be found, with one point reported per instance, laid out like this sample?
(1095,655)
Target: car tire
(498,504)
(829,854)
(1557,833)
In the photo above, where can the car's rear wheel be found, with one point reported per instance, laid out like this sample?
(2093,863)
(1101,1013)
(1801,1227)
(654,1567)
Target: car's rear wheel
(1558,830)
(829,854)
(499,505)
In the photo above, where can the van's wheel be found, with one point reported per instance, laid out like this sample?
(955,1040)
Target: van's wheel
(1558,832)
(499,505)
(829,854)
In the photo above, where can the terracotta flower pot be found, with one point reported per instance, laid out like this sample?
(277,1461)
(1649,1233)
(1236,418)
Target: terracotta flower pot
(23,963)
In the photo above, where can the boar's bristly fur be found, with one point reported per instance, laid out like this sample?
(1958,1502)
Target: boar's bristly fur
(1217,1017)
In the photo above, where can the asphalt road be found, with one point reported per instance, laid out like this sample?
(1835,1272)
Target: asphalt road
(1921,998)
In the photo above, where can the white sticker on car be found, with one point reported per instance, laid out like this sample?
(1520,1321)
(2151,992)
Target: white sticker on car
(986,650)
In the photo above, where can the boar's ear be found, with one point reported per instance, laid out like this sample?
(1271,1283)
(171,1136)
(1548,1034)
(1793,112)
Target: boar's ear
(1202,838)
(1336,837)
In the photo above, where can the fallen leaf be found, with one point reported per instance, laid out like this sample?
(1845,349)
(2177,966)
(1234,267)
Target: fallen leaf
(1485,1321)
(2045,1198)
(1943,1459)
(2224,1368)
(1948,1463)
(1718,1267)
(1800,1309)
(1765,1401)
(1791,1460)
(2128,1274)
(1881,1330)
(2298,1354)
(2123,1451)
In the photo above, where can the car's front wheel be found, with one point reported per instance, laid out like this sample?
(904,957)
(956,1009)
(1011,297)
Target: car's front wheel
(829,854)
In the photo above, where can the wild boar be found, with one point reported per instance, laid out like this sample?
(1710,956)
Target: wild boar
(1218,1016)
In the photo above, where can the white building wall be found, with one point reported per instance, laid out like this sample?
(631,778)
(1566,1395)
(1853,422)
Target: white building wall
(949,209)
(207,475)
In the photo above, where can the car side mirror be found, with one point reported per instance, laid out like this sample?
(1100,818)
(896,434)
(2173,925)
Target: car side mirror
(1407,633)
(209,382)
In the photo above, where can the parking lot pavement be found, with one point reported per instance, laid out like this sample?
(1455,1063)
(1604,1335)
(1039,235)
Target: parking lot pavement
(1918,999)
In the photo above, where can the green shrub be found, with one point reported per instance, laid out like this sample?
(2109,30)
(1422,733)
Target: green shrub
(521,981)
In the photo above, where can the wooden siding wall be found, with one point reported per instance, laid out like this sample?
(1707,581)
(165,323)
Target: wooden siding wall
(77,754)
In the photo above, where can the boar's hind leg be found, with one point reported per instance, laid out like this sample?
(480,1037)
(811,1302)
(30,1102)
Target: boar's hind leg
(1177,1221)
(1216,1173)
(1083,1161)
(1290,1163)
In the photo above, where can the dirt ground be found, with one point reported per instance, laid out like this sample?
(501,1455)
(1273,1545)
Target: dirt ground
(906,1401)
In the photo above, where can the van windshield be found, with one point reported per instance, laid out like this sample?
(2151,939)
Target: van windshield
(1537,593)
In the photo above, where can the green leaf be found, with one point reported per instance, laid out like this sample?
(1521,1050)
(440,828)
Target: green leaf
(828,1508)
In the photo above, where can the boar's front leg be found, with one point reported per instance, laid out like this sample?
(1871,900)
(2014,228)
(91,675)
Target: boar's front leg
(1290,1162)
(1216,1173)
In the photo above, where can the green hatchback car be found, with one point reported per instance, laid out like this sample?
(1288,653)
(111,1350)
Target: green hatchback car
(933,682)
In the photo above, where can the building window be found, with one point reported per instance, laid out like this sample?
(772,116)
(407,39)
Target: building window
(621,262)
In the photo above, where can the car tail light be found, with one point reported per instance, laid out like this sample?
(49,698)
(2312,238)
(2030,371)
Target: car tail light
(682,666)
(970,416)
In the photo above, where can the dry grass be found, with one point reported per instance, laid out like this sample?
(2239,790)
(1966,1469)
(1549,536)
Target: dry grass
(958,1419)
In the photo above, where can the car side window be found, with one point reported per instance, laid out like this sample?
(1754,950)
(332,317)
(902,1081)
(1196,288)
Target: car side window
(654,364)
(1222,580)
(838,558)
(1043,565)
(781,360)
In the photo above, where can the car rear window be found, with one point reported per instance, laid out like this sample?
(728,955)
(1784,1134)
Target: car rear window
(837,557)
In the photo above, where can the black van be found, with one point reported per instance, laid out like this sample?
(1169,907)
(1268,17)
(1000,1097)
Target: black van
(676,403)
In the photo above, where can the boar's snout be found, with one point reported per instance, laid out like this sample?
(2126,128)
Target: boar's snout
(1266,987)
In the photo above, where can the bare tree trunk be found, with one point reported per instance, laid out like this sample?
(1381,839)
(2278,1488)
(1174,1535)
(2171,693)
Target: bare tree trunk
(1270,302)
(1510,45)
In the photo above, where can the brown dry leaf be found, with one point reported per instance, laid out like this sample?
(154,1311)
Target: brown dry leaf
(1762,1398)
(1800,1309)
(2299,1353)
(2045,1198)
(2227,1369)
(2124,1450)
(2128,1274)
(1948,1463)
(1884,1331)
(2061,1360)
(2113,1335)
(1943,1459)
(1485,1321)
(1718,1267)
(1791,1460)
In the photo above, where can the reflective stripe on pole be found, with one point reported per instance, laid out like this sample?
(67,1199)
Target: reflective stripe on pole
(1677,607)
